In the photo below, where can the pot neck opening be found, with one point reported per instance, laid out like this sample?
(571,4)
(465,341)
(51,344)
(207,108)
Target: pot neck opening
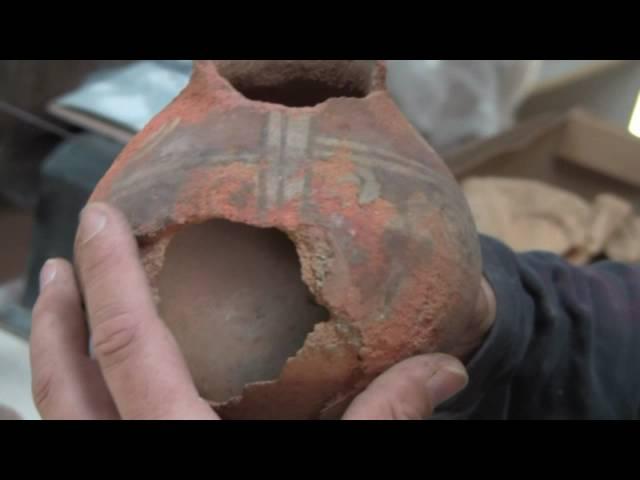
(299,83)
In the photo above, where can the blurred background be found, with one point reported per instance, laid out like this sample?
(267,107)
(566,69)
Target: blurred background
(547,152)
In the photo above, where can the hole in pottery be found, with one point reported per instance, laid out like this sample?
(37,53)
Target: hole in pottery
(234,298)
(298,83)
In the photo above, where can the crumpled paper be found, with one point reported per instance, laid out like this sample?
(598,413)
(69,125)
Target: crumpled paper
(531,215)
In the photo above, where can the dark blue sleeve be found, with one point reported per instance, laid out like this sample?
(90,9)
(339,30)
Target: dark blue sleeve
(565,343)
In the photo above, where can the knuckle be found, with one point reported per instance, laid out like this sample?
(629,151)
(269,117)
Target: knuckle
(111,310)
(410,409)
(41,388)
(114,340)
(409,400)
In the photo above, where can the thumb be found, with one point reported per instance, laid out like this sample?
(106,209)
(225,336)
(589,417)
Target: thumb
(410,390)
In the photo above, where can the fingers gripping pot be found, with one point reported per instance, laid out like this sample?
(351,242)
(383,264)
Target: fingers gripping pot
(299,235)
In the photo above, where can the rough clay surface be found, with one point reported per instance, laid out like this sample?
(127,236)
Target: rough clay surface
(264,310)
(384,236)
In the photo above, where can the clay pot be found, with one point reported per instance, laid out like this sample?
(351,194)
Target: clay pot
(299,235)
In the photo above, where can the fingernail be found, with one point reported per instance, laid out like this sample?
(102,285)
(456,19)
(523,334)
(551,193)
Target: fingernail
(447,382)
(92,222)
(48,273)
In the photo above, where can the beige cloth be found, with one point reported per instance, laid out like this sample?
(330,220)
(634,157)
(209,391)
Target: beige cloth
(531,215)
(624,245)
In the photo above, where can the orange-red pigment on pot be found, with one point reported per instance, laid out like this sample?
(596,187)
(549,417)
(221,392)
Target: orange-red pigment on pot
(299,235)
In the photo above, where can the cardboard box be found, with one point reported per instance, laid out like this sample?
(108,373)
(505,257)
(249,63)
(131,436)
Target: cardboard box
(555,75)
(575,151)
(607,89)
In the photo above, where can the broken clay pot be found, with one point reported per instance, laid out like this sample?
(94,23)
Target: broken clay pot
(298,233)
